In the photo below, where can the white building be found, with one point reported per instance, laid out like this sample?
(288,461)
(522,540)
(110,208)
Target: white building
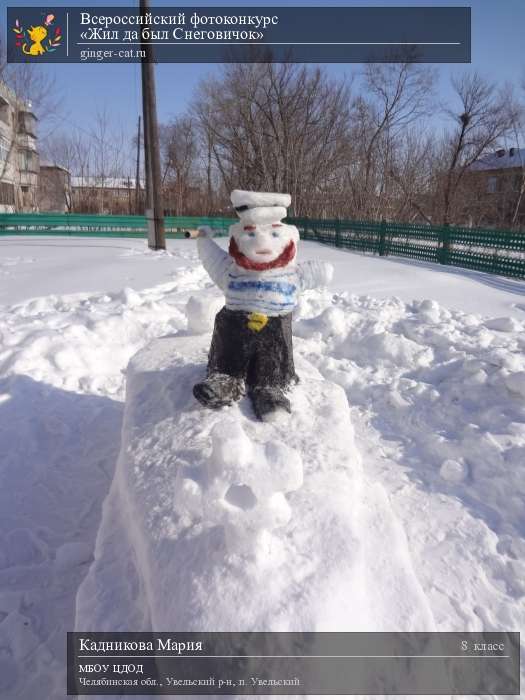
(97,194)
(19,161)
(502,178)
(54,188)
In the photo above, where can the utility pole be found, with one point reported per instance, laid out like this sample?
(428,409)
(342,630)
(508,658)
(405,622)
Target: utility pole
(154,212)
(147,159)
(137,173)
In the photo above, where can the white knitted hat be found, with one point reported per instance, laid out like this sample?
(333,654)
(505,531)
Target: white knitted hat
(248,200)
(260,207)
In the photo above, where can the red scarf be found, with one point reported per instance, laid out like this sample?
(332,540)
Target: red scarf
(243,261)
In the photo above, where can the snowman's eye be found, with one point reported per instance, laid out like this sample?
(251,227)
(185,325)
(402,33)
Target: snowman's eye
(251,234)
(275,234)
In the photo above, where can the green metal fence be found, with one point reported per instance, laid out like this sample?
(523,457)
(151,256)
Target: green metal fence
(103,226)
(497,252)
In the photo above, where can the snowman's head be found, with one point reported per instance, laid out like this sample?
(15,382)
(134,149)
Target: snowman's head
(263,246)
(261,241)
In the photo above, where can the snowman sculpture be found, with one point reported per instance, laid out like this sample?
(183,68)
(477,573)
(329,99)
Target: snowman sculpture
(251,348)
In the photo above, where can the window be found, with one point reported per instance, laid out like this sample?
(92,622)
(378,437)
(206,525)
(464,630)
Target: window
(4,112)
(28,161)
(26,123)
(7,193)
(25,188)
(492,184)
(4,149)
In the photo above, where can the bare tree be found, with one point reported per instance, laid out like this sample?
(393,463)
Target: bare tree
(276,127)
(179,149)
(411,174)
(31,90)
(396,97)
(518,129)
(34,85)
(206,145)
(484,118)
(109,163)
(71,150)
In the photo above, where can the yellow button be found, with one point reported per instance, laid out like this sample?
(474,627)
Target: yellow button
(256,321)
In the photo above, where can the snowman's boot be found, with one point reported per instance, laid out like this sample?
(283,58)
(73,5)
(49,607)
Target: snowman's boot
(268,400)
(219,390)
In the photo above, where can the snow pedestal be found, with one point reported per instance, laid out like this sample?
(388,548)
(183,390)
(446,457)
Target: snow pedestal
(218,522)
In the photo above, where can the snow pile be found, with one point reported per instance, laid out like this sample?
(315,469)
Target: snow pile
(201,310)
(243,486)
(205,503)
(82,342)
(447,386)
(437,400)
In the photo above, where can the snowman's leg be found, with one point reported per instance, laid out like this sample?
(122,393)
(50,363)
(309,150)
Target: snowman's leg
(272,368)
(272,362)
(227,362)
(219,390)
(268,401)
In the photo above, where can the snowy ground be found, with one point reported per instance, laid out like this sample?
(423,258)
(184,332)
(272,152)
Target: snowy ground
(432,361)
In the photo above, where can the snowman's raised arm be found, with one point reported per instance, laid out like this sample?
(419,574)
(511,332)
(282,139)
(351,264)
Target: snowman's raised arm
(215,260)
(314,273)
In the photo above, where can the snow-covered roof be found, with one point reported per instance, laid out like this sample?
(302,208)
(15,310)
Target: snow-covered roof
(110,183)
(49,164)
(501,160)
(7,96)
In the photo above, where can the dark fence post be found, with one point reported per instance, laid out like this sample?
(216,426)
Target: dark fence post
(338,233)
(382,238)
(444,257)
(494,268)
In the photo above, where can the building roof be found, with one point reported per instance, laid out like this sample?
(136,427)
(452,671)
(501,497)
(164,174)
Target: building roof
(501,159)
(7,96)
(109,183)
(49,164)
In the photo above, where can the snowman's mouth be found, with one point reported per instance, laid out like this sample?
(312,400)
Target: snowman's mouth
(242,260)
(263,252)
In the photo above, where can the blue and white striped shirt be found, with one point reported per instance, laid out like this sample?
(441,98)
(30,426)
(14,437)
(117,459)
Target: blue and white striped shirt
(272,292)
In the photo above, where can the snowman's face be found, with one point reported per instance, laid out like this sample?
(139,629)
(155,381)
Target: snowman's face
(263,243)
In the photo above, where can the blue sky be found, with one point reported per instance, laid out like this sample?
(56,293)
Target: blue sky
(497,53)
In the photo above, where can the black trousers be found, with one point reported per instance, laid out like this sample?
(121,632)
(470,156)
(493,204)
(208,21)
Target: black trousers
(261,358)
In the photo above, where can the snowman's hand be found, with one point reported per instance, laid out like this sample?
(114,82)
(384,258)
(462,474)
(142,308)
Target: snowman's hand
(215,260)
(327,273)
(205,232)
(315,273)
